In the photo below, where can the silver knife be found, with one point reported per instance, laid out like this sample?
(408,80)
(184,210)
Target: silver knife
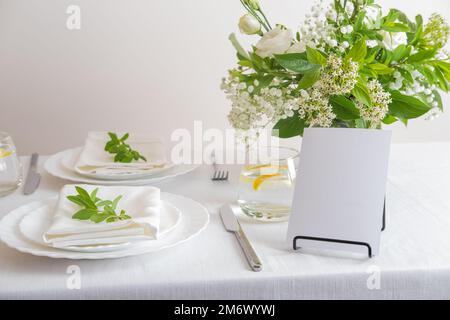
(231,224)
(33,177)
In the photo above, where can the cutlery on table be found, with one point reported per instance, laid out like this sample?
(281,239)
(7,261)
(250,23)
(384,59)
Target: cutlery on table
(231,224)
(33,177)
(218,174)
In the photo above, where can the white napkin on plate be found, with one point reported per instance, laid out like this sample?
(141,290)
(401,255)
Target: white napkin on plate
(142,204)
(94,159)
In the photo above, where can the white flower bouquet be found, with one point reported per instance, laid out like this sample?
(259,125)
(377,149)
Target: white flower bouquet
(348,65)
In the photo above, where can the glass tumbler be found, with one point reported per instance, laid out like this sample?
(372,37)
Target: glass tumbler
(266,188)
(10,168)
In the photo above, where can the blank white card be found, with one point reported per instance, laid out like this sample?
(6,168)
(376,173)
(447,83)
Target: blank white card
(340,188)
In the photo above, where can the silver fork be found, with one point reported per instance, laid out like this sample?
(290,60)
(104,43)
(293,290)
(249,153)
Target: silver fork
(219,175)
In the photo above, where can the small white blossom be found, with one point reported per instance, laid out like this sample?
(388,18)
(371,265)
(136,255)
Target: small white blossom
(371,43)
(339,76)
(380,104)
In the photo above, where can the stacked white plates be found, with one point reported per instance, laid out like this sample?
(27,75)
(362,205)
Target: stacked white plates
(23,228)
(62,165)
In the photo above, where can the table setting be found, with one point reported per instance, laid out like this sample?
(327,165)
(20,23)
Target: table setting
(341,213)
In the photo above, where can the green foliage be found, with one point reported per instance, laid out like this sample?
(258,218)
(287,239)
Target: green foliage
(361,93)
(309,78)
(290,127)
(406,107)
(295,62)
(344,108)
(316,57)
(359,51)
(123,152)
(96,209)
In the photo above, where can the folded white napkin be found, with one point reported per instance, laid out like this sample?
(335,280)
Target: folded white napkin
(142,204)
(94,159)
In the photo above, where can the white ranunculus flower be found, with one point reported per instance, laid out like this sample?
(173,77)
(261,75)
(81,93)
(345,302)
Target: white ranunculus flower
(249,25)
(392,40)
(275,41)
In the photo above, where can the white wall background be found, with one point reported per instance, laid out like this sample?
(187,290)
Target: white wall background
(139,65)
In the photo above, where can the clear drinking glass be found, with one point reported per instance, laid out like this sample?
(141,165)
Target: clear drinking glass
(266,188)
(10,168)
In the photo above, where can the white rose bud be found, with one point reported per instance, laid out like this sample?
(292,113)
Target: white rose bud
(392,40)
(249,25)
(275,41)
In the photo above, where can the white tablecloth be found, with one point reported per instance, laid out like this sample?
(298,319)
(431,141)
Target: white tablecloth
(414,261)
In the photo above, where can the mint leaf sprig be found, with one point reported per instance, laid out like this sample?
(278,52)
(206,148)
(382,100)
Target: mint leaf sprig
(123,152)
(96,209)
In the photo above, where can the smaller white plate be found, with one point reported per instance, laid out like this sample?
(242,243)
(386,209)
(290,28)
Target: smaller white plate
(54,166)
(69,161)
(34,224)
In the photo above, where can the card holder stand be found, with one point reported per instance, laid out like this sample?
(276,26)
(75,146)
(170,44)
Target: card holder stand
(357,243)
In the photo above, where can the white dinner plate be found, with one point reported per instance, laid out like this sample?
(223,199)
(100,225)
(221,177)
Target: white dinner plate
(69,161)
(193,220)
(37,221)
(54,166)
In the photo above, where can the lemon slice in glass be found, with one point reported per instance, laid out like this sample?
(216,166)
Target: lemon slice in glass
(258,181)
(4,153)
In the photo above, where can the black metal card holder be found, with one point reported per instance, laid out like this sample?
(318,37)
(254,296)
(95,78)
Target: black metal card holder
(369,248)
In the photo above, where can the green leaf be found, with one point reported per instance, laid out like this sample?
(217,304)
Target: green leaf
(112,219)
(444,67)
(421,56)
(428,73)
(395,27)
(115,202)
(83,214)
(85,197)
(344,108)
(401,52)
(309,78)
(361,93)
(125,137)
(380,68)
(238,46)
(295,62)
(391,16)
(93,194)
(406,107)
(419,30)
(315,56)
(97,218)
(290,127)
(103,203)
(359,51)
(77,200)
(359,20)
(443,84)
(407,75)
(389,119)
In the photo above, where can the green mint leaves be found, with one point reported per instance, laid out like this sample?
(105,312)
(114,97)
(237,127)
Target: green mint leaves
(123,152)
(96,209)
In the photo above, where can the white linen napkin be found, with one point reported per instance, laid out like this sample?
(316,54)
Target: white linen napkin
(94,159)
(142,204)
